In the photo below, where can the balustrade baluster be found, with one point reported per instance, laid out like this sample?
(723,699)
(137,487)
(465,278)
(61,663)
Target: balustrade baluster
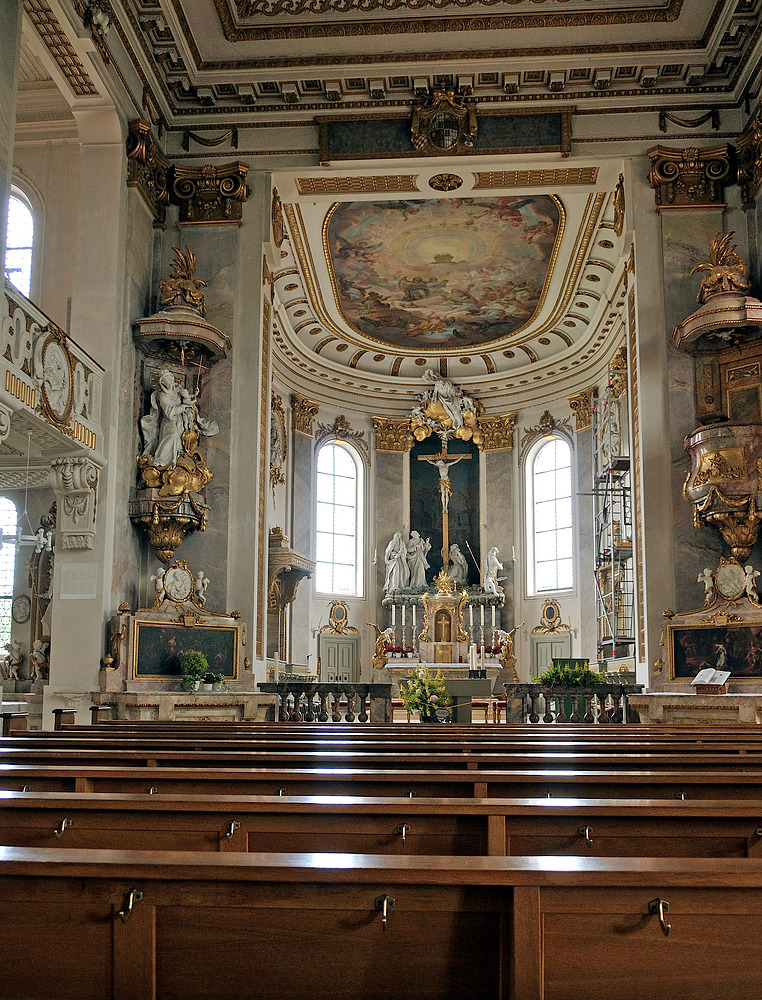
(324,704)
(589,716)
(336,714)
(309,714)
(363,696)
(534,715)
(283,696)
(350,714)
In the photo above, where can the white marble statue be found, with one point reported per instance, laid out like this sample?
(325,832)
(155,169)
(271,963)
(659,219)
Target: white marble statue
(200,584)
(454,401)
(458,570)
(38,660)
(492,565)
(173,410)
(707,578)
(395,557)
(157,579)
(14,657)
(417,550)
(751,584)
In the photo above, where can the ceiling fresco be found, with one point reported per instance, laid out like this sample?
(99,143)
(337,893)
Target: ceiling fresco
(450,272)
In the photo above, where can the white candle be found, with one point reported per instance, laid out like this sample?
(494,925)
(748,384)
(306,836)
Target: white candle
(414,622)
(481,609)
(493,616)
(276,665)
(403,614)
(471,609)
(482,657)
(394,615)
(472,656)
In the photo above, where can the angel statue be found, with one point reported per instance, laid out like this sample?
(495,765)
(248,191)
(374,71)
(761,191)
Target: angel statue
(507,657)
(493,564)
(384,638)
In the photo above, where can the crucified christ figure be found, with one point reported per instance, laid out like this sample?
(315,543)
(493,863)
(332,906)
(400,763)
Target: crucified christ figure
(443,463)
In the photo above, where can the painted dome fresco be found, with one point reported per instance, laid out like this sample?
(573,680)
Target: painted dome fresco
(444,273)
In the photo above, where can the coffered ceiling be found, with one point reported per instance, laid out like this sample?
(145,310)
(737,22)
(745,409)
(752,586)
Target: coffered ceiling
(198,61)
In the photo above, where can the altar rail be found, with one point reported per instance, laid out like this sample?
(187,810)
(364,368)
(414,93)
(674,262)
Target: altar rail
(299,701)
(603,703)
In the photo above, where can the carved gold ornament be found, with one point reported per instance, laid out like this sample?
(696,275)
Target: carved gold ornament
(278,442)
(548,427)
(445,182)
(739,529)
(276,218)
(167,524)
(443,124)
(727,270)
(497,432)
(724,465)
(691,177)
(550,620)
(303,412)
(619,206)
(581,405)
(393,434)
(338,620)
(183,288)
(56,381)
(750,159)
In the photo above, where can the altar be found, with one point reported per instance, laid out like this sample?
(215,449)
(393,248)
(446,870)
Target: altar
(400,670)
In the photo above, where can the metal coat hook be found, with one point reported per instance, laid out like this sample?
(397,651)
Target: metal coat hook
(403,829)
(660,907)
(384,904)
(62,827)
(131,897)
(587,833)
(232,826)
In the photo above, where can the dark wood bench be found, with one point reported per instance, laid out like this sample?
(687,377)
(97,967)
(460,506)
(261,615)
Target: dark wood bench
(142,925)
(504,782)
(584,827)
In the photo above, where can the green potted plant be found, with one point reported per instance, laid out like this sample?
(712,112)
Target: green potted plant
(194,666)
(218,682)
(424,693)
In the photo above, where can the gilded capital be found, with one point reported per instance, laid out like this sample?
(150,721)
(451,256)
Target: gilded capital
(750,159)
(691,177)
(497,431)
(209,194)
(393,434)
(147,169)
(303,412)
(581,405)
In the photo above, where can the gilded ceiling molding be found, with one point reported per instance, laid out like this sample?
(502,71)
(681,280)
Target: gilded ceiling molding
(205,194)
(750,158)
(619,206)
(236,29)
(497,431)
(393,434)
(549,428)
(357,185)
(341,431)
(147,170)
(484,180)
(581,404)
(691,177)
(303,412)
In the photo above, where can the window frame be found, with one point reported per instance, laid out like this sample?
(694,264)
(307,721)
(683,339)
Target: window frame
(12,551)
(359,563)
(531,531)
(23,197)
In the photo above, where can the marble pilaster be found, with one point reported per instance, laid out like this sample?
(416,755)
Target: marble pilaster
(392,504)
(498,519)
(302,507)
(10,46)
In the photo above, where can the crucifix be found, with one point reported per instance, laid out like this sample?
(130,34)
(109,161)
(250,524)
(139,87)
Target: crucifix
(443,461)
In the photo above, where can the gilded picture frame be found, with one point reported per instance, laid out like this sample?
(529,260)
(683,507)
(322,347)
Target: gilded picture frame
(735,646)
(158,648)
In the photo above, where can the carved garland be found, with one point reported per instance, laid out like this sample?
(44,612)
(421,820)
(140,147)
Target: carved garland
(548,427)
(396,434)
(278,442)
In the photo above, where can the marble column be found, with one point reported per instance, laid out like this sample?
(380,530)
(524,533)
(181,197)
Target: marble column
(84,577)
(10,48)
(302,513)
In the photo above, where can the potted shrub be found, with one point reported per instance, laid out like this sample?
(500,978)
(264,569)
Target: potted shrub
(194,666)
(218,682)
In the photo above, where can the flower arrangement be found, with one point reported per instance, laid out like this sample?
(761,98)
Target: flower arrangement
(424,693)
(567,675)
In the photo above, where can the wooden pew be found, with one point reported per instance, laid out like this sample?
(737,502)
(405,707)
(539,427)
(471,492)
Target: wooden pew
(584,827)
(505,782)
(141,926)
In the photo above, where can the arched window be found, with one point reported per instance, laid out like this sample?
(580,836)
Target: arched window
(338,521)
(19,244)
(8,525)
(550,518)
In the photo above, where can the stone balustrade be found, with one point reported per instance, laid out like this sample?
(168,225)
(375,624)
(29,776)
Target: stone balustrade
(305,701)
(603,703)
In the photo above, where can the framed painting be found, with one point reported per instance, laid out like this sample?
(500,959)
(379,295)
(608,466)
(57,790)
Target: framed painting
(158,648)
(736,647)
